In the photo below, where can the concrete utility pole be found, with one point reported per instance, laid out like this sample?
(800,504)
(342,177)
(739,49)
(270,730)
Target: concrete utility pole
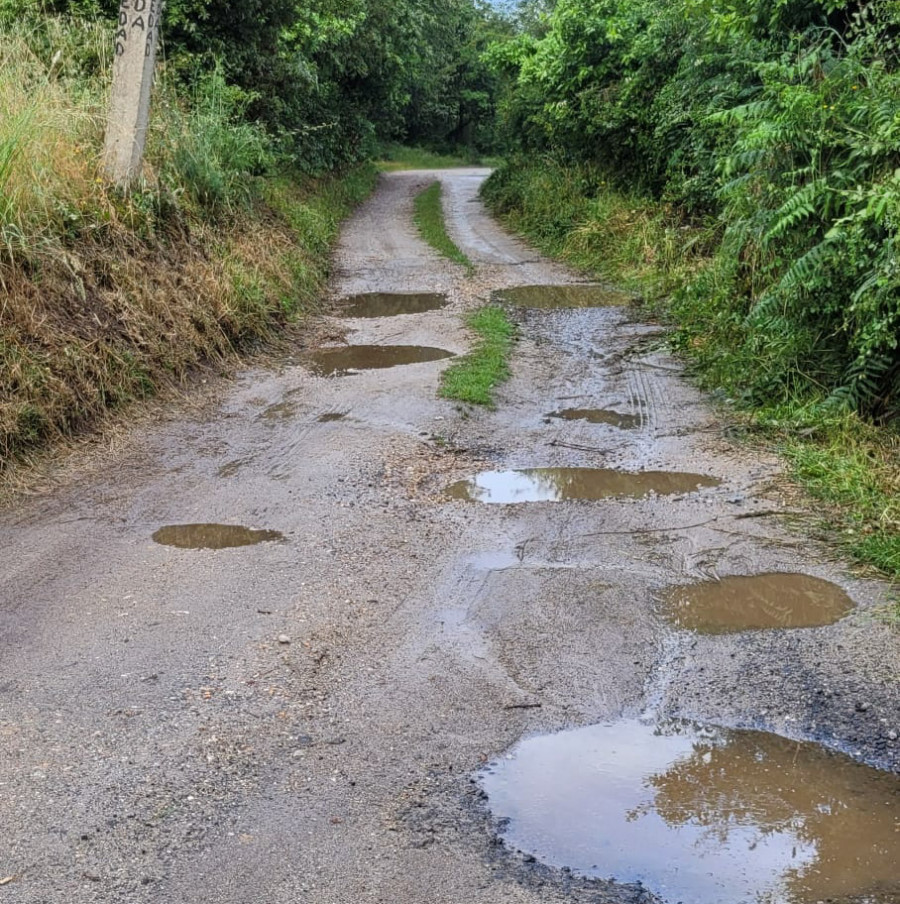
(137,33)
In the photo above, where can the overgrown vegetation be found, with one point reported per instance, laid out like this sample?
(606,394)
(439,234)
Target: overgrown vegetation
(473,377)
(429,217)
(107,296)
(738,164)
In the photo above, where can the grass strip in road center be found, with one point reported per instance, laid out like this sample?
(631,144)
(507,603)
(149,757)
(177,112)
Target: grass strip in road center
(473,377)
(429,217)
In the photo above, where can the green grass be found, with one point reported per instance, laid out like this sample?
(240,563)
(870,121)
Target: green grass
(474,377)
(429,217)
(399,157)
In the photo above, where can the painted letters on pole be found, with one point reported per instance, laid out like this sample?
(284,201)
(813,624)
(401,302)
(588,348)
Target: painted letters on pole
(137,32)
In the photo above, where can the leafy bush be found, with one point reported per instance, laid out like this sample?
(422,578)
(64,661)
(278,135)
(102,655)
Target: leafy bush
(777,122)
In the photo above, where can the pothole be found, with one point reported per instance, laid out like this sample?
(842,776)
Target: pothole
(561,484)
(706,816)
(389,304)
(212,536)
(755,602)
(598,416)
(552,297)
(347,358)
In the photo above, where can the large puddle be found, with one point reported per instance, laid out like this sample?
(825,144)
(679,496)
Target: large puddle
(347,358)
(746,603)
(387,304)
(703,816)
(599,416)
(553,297)
(213,536)
(561,484)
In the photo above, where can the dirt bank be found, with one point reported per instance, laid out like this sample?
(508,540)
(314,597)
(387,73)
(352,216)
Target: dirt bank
(299,720)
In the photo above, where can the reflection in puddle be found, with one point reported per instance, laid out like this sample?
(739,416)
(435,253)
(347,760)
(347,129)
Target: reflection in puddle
(387,304)
(560,484)
(704,816)
(598,416)
(579,296)
(331,416)
(745,603)
(328,361)
(212,536)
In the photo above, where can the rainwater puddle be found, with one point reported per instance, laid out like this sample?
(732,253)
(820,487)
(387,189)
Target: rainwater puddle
(561,484)
(387,304)
(553,297)
(746,603)
(599,416)
(337,361)
(705,816)
(331,416)
(213,536)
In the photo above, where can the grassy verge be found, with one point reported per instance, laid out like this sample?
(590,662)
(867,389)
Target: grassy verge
(108,297)
(394,157)
(429,217)
(849,465)
(474,377)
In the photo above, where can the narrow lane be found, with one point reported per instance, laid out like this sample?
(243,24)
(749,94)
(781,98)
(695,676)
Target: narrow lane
(297,720)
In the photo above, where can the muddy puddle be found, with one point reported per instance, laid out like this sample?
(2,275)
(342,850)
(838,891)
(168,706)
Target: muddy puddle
(331,416)
(598,416)
(562,484)
(705,816)
(336,361)
(388,304)
(555,297)
(755,602)
(213,536)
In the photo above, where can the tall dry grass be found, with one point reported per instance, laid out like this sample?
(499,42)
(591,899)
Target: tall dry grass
(105,296)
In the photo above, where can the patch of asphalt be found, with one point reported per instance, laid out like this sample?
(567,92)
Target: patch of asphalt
(299,720)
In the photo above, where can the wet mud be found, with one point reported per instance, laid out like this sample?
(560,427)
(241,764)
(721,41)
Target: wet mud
(561,297)
(598,416)
(565,484)
(391,304)
(703,815)
(303,721)
(756,602)
(349,358)
(212,536)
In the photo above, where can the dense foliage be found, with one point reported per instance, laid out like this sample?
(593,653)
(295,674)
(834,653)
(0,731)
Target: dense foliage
(327,78)
(776,123)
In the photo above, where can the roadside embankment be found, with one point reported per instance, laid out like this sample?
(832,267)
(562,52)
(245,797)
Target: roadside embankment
(848,463)
(107,297)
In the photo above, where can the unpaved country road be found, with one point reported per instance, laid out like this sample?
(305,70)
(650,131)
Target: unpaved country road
(159,744)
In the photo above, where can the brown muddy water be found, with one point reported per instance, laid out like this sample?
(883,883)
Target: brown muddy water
(706,816)
(336,361)
(554,297)
(598,416)
(213,536)
(755,602)
(389,304)
(562,484)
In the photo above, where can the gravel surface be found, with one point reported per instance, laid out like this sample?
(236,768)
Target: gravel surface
(300,719)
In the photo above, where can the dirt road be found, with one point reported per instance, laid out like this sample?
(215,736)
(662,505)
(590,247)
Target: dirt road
(299,719)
